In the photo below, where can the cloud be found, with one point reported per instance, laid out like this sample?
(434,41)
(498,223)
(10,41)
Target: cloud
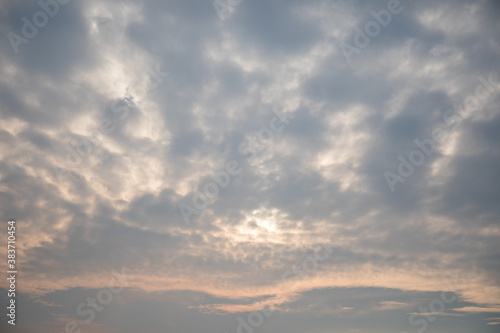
(318,181)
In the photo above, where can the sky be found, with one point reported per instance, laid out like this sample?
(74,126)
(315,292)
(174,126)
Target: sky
(241,166)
